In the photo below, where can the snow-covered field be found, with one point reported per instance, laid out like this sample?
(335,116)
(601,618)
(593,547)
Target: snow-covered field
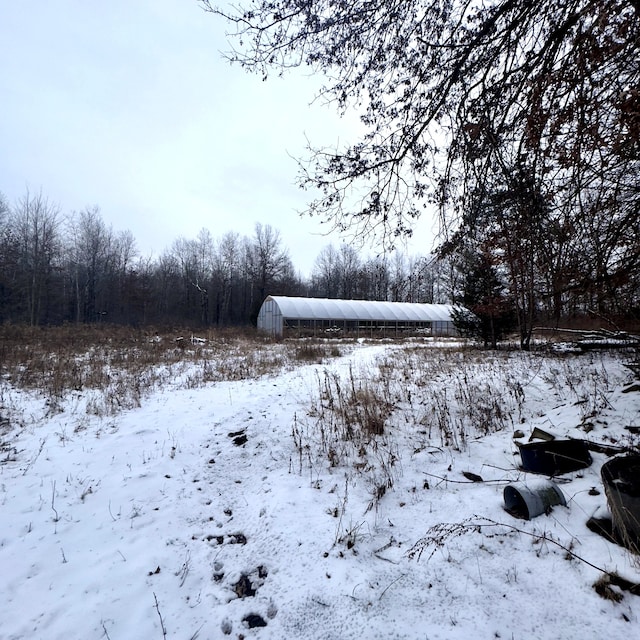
(250,509)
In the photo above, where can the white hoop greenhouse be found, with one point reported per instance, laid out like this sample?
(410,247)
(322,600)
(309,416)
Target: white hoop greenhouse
(321,316)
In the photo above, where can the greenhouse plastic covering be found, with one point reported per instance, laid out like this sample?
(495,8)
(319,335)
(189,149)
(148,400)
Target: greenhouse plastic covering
(328,309)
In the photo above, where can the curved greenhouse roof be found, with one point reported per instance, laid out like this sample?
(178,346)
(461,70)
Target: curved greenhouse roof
(280,311)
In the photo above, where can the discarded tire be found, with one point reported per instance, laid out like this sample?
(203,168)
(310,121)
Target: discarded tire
(621,480)
(555,457)
(531,500)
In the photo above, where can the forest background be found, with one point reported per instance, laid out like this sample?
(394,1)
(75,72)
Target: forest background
(60,268)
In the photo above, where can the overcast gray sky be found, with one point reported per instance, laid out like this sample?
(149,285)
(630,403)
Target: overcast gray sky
(129,105)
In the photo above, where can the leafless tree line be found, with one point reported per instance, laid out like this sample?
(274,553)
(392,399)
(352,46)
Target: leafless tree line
(57,268)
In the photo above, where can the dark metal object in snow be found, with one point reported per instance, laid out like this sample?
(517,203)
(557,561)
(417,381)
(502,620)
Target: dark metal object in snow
(555,456)
(531,500)
(621,479)
(603,527)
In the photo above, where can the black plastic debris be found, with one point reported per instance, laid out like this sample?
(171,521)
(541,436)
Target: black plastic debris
(621,480)
(554,457)
(603,527)
(541,434)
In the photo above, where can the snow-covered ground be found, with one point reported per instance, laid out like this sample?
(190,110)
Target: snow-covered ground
(229,511)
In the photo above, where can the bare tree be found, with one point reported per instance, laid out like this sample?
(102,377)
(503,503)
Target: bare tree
(36,222)
(4,211)
(326,274)
(168,286)
(94,260)
(227,267)
(186,254)
(8,261)
(374,278)
(122,284)
(268,260)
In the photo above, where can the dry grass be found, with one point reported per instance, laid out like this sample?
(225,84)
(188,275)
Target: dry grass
(417,397)
(114,366)
(315,351)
